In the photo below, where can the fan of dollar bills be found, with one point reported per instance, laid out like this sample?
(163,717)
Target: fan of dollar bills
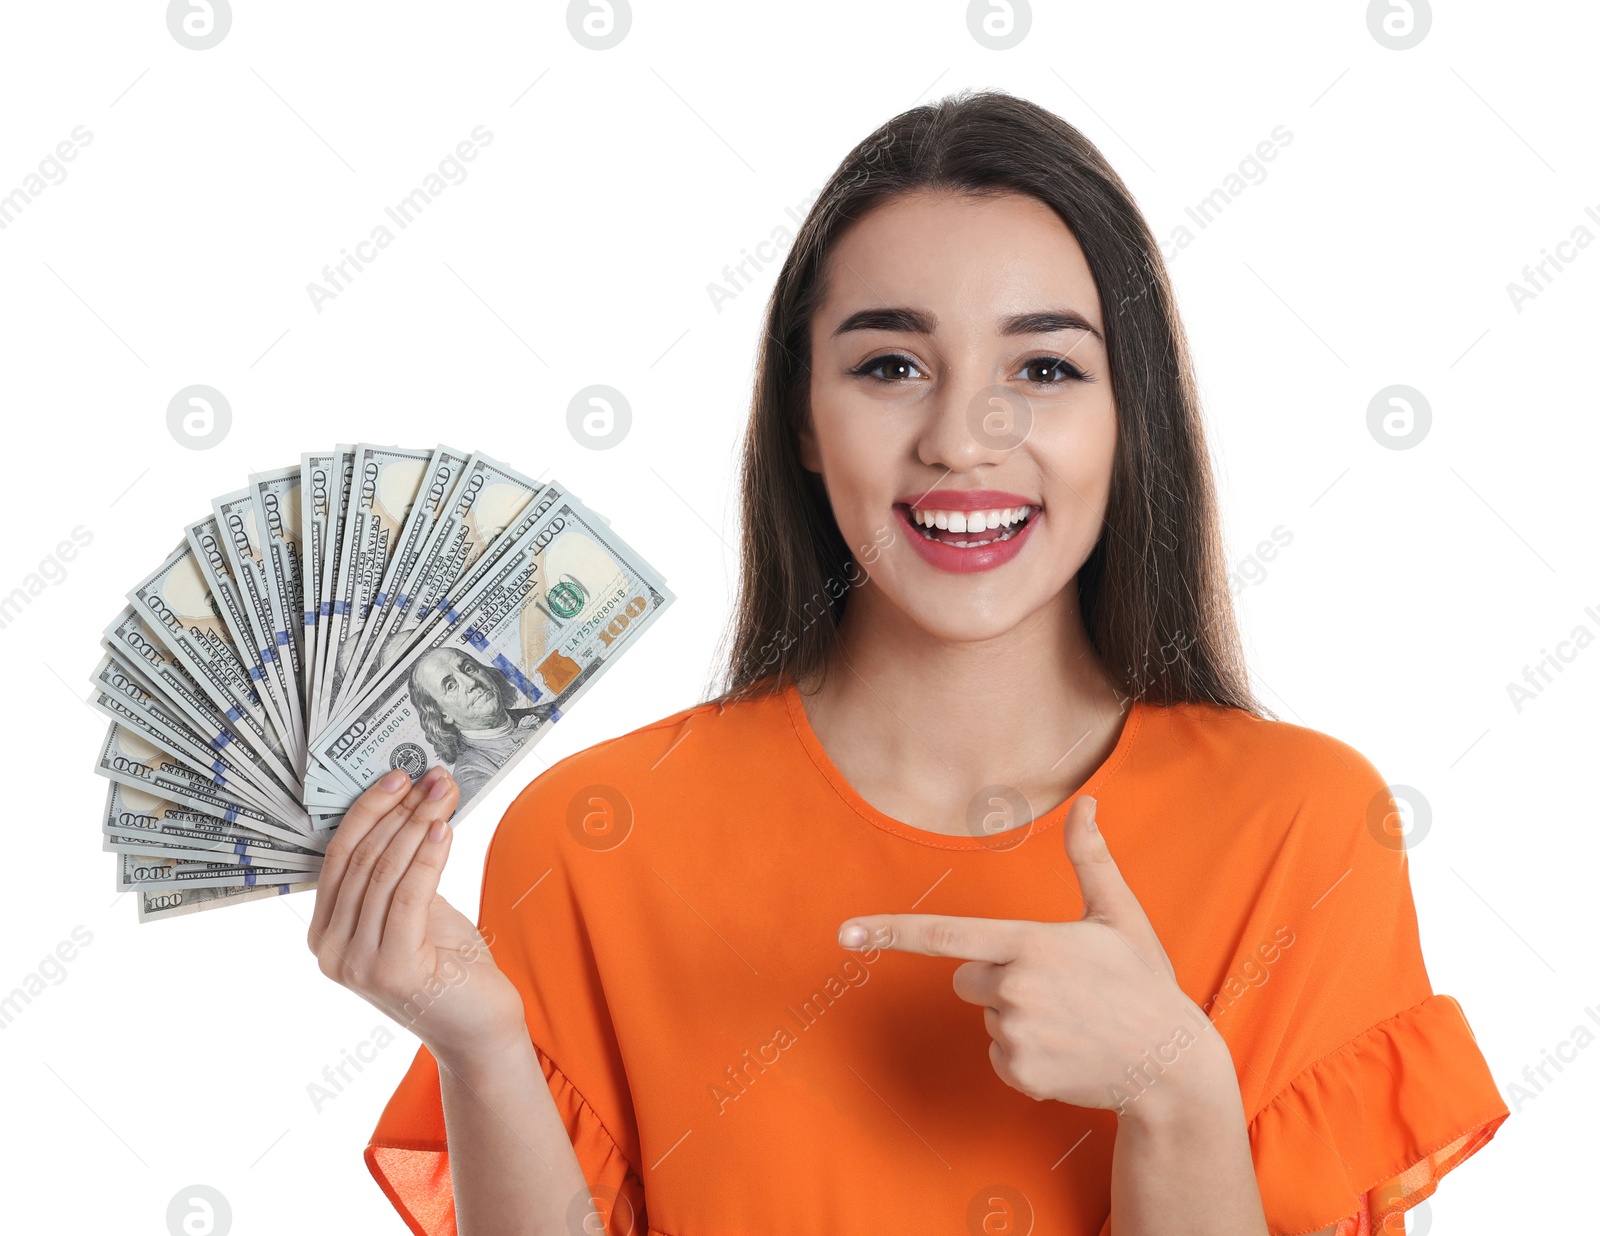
(373,608)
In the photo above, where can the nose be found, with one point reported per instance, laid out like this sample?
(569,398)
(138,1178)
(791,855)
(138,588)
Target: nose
(972,422)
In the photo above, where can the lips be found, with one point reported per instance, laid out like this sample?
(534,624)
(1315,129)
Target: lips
(964,500)
(968,550)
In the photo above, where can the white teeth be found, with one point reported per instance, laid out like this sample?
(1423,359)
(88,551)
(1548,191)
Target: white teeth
(973,521)
(970,521)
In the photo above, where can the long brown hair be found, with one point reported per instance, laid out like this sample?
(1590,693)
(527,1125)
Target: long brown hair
(1153,592)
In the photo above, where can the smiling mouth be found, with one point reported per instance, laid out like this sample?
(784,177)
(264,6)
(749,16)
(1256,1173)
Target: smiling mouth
(969,529)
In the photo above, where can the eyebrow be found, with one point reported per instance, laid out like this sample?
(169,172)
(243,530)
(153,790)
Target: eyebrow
(920,322)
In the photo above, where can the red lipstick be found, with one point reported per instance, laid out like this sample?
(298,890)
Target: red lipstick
(965,500)
(960,553)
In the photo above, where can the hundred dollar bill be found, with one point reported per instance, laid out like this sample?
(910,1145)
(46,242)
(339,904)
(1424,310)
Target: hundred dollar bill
(489,497)
(326,801)
(235,516)
(319,778)
(327,810)
(208,548)
(144,823)
(174,903)
(125,757)
(134,642)
(529,639)
(439,482)
(125,696)
(148,872)
(328,794)
(175,763)
(177,602)
(341,468)
(275,496)
(448,604)
(383,485)
(316,479)
(116,844)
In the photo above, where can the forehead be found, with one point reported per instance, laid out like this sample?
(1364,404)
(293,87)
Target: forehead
(449,661)
(968,259)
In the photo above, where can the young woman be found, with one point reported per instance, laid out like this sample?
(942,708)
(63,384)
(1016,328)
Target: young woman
(983,898)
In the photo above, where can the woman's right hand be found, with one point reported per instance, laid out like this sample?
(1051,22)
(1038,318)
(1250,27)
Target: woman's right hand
(381,928)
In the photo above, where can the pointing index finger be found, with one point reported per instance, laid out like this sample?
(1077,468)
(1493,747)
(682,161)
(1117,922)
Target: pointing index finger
(996,940)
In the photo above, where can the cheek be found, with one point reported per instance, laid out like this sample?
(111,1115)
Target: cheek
(863,450)
(1075,453)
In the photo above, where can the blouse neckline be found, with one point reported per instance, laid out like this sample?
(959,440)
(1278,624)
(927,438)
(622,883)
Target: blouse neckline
(948,841)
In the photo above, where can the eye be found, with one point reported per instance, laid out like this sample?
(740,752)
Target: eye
(895,361)
(1052,371)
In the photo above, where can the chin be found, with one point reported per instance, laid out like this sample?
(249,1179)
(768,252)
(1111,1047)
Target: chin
(964,624)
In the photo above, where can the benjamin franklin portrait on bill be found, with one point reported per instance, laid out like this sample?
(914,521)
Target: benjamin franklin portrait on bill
(468,712)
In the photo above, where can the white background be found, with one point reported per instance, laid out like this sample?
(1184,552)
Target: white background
(1418,583)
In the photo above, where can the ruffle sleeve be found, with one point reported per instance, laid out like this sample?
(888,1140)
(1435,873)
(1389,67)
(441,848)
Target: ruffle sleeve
(1362,1086)
(1367,1131)
(535,923)
(409,1159)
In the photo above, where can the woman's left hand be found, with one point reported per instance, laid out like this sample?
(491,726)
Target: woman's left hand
(1086,1012)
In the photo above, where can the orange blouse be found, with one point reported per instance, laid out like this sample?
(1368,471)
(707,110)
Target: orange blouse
(668,904)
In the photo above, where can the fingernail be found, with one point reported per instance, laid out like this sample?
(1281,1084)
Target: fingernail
(1094,808)
(439,786)
(433,774)
(395,779)
(853,935)
(436,831)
